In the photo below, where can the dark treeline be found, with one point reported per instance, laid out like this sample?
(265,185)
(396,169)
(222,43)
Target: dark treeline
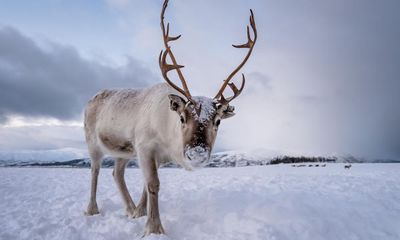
(302,159)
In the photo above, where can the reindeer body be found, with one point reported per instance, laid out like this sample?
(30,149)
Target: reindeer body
(123,122)
(157,124)
(131,123)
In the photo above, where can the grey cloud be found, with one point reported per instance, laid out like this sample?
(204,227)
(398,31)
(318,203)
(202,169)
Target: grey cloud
(41,138)
(55,81)
(324,76)
(334,69)
(258,80)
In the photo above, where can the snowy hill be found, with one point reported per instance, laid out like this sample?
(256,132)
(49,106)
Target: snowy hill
(38,156)
(69,157)
(79,158)
(217,160)
(274,202)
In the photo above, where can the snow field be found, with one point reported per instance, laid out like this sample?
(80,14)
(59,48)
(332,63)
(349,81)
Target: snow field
(266,202)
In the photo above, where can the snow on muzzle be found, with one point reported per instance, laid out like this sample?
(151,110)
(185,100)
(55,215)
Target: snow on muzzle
(197,156)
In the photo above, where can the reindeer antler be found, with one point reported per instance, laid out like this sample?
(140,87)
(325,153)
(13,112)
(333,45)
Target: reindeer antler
(250,45)
(164,66)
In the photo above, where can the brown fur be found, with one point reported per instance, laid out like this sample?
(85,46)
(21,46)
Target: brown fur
(196,133)
(114,143)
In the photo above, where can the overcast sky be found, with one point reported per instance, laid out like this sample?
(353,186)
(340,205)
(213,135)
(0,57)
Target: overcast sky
(323,79)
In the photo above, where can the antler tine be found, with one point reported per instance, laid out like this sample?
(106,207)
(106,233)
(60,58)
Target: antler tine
(250,45)
(235,90)
(165,68)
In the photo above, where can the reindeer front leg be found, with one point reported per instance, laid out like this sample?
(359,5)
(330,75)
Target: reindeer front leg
(118,174)
(152,184)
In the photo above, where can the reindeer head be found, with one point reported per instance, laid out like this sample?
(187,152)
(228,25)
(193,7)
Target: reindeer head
(200,117)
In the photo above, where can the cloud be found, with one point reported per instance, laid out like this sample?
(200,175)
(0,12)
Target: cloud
(56,81)
(333,81)
(41,138)
(323,77)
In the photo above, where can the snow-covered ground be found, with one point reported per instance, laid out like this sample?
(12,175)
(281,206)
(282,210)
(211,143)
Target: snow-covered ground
(265,202)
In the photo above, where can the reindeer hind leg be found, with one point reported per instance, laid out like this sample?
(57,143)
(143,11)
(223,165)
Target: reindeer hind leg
(96,158)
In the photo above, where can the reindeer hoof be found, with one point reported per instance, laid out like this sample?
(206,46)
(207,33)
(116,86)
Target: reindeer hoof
(92,210)
(129,212)
(91,213)
(153,227)
(139,212)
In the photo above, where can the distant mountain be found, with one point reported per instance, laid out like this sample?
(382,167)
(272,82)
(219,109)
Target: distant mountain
(237,159)
(217,160)
(57,155)
(79,158)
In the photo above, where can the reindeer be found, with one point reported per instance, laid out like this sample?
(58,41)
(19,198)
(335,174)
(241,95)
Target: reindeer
(347,166)
(159,124)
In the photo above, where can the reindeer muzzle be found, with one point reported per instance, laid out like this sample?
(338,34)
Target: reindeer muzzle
(197,156)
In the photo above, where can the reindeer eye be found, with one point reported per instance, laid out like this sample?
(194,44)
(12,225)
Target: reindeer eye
(182,119)
(217,122)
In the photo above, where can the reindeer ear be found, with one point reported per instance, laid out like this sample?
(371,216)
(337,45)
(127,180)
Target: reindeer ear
(226,111)
(176,102)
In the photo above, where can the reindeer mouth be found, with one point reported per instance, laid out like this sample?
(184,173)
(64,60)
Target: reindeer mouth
(197,156)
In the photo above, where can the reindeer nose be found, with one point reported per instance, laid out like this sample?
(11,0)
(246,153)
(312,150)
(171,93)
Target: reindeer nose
(197,154)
